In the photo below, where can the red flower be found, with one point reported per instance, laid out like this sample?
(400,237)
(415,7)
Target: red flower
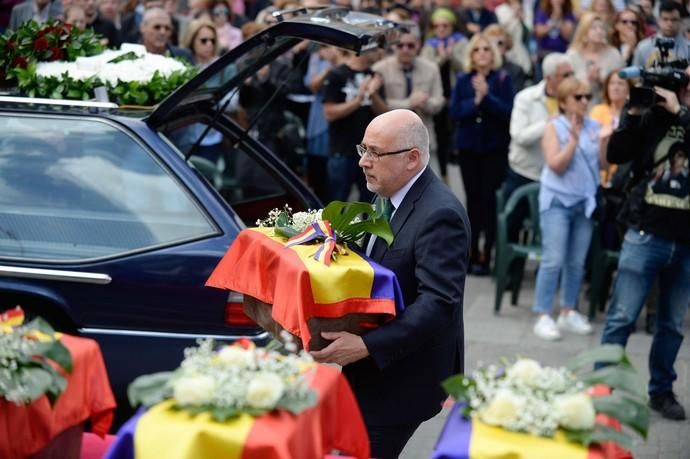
(40,44)
(56,54)
(20,62)
(68,27)
(11,44)
(244,343)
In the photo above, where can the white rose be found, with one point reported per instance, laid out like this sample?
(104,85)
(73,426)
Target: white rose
(194,390)
(526,371)
(575,411)
(235,356)
(502,410)
(265,390)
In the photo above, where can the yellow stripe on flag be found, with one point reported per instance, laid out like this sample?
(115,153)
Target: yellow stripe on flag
(489,442)
(328,283)
(174,434)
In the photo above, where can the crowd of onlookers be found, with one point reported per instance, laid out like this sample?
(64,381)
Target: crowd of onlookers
(459,66)
(513,91)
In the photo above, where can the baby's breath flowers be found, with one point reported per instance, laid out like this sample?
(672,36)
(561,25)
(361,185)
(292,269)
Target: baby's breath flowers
(230,380)
(26,373)
(525,396)
(297,221)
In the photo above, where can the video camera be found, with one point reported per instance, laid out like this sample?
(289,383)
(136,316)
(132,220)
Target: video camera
(668,75)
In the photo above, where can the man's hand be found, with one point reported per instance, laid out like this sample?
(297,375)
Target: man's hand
(670,102)
(375,84)
(345,348)
(418,99)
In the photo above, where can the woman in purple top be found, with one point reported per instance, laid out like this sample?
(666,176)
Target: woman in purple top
(554,24)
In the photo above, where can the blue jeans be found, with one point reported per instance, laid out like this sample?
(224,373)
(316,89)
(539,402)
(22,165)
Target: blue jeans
(565,236)
(643,258)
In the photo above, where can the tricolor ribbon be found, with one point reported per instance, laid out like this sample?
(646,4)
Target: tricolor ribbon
(316,231)
(12,317)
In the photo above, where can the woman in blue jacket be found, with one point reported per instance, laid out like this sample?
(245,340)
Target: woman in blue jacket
(480,107)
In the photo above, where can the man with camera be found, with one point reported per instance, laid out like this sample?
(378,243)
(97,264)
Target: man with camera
(656,139)
(670,15)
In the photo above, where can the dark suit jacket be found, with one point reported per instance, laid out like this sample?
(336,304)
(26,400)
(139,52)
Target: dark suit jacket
(400,382)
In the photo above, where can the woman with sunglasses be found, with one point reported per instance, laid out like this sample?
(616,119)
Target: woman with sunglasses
(591,55)
(569,182)
(229,36)
(628,31)
(202,40)
(480,106)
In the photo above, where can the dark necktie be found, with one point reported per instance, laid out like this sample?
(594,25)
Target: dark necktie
(387,205)
(408,82)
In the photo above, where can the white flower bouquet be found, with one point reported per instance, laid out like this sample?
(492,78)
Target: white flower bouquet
(32,360)
(131,76)
(349,221)
(231,379)
(525,396)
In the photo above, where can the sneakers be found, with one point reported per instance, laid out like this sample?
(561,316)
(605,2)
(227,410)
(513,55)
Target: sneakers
(668,406)
(575,322)
(545,328)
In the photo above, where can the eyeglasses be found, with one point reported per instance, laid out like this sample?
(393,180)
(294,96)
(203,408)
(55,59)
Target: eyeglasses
(401,45)
(205,41)
(223,12)
(364,151)
(628,22)
(159,27)
(579,97)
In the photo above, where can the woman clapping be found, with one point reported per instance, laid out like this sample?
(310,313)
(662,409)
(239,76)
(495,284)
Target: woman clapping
(567,200)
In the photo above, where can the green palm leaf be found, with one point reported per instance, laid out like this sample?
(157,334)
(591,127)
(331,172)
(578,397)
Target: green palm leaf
(341,216)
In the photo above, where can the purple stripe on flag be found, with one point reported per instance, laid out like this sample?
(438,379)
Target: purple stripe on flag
(123,446)
(385,284)
(454,442)
(317,255)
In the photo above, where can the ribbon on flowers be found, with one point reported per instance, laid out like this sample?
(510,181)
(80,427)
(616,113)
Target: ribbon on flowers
(318,230)
(12,318)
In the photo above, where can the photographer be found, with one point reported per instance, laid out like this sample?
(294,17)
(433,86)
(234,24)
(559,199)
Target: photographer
(657,242)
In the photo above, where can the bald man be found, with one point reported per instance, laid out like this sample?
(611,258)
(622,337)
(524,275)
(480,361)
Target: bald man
(396,370)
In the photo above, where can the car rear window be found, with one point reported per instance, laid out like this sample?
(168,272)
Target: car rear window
(74,189)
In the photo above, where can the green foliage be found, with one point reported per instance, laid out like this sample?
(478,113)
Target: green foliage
(296,405)
(28,354)
(629,411)
(600,434)
(45,42)
(458,387)
(605,353)
(32,43)
(147,390)
(130,56)
(123,93)
(622,378)
(627,403)
(352,220)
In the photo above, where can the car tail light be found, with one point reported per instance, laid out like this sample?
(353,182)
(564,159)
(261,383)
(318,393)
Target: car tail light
(234,312)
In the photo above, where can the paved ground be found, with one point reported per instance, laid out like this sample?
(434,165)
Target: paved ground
(489,337)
